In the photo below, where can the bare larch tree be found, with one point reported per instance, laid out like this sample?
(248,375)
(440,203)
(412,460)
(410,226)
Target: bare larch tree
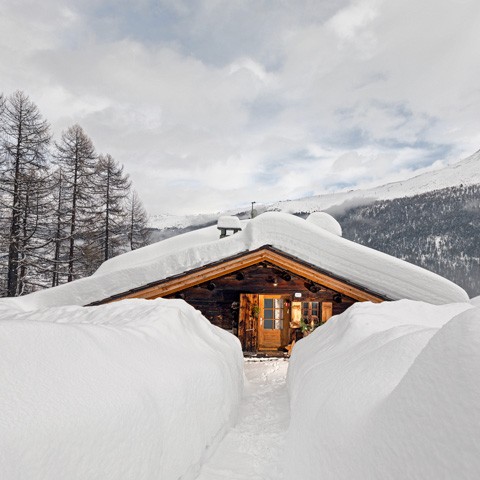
(113,188)
(76,156)
(138,233)
(25,137)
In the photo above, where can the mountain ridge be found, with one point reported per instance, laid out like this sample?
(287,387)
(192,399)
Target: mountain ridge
(463,172)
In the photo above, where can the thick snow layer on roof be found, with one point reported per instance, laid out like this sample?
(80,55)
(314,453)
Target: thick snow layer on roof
(363,266)
(325,221)
(139,390)
(387,391)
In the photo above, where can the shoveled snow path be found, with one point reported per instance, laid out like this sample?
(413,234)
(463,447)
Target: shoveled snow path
(253,448)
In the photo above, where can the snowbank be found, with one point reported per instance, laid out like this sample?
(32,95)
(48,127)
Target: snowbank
(387,391)
(132,390)
(363,266)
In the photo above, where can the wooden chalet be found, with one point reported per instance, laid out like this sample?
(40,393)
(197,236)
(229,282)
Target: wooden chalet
(262,296)
(265,283)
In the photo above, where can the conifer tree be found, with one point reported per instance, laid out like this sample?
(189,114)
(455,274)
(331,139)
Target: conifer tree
(4,213)
(76,156)
(113,187)
(59,229)
(58,225)
(138,233)
(35,241)
(25,137)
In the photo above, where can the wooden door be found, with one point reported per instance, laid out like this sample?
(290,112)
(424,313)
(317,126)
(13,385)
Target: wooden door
(273,322)
(327,311)
(247,321)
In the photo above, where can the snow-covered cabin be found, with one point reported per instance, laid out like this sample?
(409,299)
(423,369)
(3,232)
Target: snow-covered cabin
(260,283)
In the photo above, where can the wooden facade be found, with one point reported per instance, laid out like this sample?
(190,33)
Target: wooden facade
(259,296)
(233,301)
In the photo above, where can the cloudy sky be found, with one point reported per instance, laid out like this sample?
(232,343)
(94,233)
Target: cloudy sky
(211,104)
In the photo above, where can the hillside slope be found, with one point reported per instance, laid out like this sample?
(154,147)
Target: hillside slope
(431,220)
(438,230)
(464,172)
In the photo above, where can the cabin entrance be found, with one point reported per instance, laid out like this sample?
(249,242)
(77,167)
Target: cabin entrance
(273,322)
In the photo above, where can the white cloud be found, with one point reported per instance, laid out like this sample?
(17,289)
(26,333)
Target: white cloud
(349,22)
(225,102)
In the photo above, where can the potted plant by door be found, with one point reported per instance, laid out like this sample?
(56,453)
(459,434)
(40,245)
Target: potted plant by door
(306,327)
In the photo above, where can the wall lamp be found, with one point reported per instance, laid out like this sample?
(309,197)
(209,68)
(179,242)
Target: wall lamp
(272,280)
(312,287)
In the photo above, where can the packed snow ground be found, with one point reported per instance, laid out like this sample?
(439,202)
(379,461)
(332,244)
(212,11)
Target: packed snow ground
(138,390)
(254,448)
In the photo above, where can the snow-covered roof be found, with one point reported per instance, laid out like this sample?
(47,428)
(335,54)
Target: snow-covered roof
(325,221)
(475,301)
(363,266)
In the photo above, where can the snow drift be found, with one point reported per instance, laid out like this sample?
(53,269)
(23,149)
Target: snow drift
(387,391)
(137,390)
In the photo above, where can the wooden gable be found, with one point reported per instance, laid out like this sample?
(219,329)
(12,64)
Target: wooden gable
(228,293)
(169,286)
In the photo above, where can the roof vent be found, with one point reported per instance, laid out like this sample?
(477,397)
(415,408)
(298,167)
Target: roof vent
(228,225)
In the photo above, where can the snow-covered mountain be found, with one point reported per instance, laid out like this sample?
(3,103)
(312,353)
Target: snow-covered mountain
(464,172)
(437,230)
(430,220)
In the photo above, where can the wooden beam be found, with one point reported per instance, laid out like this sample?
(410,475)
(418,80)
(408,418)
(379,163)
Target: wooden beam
(320,278)
(278,259)
(191,279)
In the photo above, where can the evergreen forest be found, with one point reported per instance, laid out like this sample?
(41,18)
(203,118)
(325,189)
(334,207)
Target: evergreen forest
(437,230)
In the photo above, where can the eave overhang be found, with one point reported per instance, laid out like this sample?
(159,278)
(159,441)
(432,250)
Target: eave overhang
(267,253)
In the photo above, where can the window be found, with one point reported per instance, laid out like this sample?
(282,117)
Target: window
(273,314)
(311,313)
